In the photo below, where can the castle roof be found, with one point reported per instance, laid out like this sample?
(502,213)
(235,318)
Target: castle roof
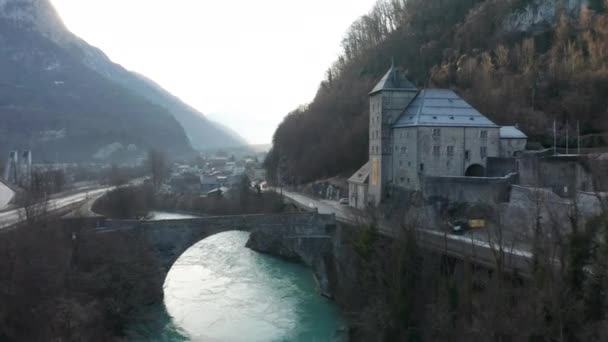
(441,107)
(394,79)
(361,176)
(511,132)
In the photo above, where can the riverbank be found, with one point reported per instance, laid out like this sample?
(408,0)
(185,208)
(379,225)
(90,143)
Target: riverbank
(57,282)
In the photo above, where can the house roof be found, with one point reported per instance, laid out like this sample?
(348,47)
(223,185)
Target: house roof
(394,79)
(361,176)
(441,107)
(511,132)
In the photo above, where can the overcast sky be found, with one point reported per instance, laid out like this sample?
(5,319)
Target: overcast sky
(243,63)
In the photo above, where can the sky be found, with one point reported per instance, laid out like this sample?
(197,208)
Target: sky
(243,63)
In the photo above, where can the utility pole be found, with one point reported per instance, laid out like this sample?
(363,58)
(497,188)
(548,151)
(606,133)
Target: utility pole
(554,137)
(567,137)
(578,130)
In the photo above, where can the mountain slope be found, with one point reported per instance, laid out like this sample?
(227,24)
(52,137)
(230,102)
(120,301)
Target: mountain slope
(528,62)
(55,105)
(203,133)
(66,100)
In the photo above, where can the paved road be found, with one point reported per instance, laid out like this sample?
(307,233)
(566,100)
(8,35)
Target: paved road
(11,218)
(478,247)
(6,194)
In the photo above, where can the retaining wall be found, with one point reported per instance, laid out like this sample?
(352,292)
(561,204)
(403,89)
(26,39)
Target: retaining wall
(469,189)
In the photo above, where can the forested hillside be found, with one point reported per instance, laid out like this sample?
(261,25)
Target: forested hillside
(518,61)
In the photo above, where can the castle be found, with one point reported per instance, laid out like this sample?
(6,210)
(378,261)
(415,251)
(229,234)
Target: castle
(415,134)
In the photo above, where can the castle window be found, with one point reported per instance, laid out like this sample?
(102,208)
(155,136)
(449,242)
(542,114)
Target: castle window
(421,167)
(467,155)
(483,151)
(450,151)
(404,150)
(436,132)
(436,151)
(483,134)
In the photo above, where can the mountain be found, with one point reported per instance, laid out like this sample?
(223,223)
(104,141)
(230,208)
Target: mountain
(66,100)
(528,62)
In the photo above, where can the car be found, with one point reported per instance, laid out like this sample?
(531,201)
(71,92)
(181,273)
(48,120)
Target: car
(344,201)
(311,205)
(459,227)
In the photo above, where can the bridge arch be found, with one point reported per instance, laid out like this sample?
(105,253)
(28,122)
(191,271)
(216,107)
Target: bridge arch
(172,238)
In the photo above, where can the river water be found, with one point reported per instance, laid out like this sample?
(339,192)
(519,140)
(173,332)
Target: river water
(219,290)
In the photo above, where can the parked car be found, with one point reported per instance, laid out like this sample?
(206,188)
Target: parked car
(459,227)
(344,201)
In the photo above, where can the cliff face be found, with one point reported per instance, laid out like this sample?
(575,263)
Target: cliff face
(540,15)
(312,246)
(342,273)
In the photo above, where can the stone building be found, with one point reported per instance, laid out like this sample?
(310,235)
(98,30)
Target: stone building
(512,141)
(415,134)
(358,187)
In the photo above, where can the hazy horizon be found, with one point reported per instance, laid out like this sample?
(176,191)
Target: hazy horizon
(239,63)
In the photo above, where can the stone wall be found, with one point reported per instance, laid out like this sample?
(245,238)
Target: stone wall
(564,175)
(529,205)
(500,167)
(469,189)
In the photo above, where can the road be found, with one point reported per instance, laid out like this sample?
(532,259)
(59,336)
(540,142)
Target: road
(11,218)
(6,195)
(478,247)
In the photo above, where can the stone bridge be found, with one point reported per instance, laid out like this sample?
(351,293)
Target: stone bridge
(171,238)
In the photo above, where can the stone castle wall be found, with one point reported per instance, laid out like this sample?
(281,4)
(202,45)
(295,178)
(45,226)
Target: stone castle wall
(469,189)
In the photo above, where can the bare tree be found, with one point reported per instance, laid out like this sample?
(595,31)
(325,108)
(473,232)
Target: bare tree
(35,200)
(158,166)
(117,176)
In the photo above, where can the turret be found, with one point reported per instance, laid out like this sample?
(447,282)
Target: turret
(388,99)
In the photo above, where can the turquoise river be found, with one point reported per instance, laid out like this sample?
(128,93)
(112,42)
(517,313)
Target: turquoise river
(219,290)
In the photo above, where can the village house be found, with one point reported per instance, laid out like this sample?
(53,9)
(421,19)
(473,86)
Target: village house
(417,134)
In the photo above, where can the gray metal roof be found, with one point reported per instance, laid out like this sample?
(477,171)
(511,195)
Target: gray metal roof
(511,132)
(393,80)
(441,107)
(361,176)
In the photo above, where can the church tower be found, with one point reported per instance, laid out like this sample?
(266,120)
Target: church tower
(387,101)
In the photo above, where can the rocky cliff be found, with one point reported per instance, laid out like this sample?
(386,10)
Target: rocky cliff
(541,15)
(334,255)
(312,246)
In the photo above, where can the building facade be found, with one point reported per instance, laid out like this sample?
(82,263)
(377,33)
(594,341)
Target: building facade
(415,134)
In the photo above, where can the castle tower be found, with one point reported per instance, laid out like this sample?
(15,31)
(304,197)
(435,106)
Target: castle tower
(387,101)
